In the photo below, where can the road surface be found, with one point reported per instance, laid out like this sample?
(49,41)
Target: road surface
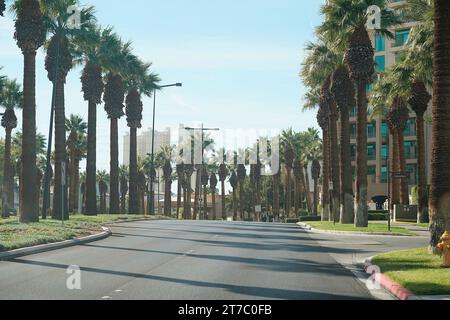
(174,260)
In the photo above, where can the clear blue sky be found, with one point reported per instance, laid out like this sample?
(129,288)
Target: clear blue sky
(238,61)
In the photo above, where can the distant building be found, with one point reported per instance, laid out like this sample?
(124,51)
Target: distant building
(144,144)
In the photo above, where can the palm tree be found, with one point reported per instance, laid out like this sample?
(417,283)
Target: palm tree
(77,145)
(188,171)
(103,179)
(142,188)
(316,168)
(419,100)
(180,177)
(204,183)
(58,63)
(223,174)
(11,97)
(123,172)
(234,184)
(288,140)
(322,119)
(30,35)
(345,27)
(98,52)
(440,166)
(213,185)
(344,95)
(2,7)
(241,176)
(139,81)
(164,157)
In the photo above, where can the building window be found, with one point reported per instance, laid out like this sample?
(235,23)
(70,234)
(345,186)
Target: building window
(411,150)
(353,131)
(372,174)
(371,152)
(353,152)
(410,128)
(379,42)
(384,130)
(353,112)
(411,173)
(380,64)
(384,174)
(401,37)
(371,130)
(385,151)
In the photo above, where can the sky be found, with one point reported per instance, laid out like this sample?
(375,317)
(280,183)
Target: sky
(238,61)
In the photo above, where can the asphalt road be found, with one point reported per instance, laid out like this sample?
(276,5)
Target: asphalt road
(194,260)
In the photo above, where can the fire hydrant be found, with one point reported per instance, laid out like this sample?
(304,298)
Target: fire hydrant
(444,247)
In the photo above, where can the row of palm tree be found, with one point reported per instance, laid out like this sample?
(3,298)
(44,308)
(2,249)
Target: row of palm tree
(338,70)
(110,69)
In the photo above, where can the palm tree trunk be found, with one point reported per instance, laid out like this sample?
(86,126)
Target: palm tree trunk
(241,201)
(114,169)
(440,177)
(7,171)
(404,188)
(29,203)
(423,183)
(224,213)
(316,198)
(334,165)
(288,204)
(395,183)
(308,190)
(91,162)
(258,198)
(179,191)
(347,210)
(235,206)
(213,204)
(361,217)
(123,208)
(72,185)
(59,193)
(205,203)
(133,206)
(188,202)
(76,176)
(197,192)
(276,196)
(325,178)
(168,198)
(297,192)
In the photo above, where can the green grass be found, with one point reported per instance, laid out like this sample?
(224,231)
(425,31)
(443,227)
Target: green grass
(373,228)
(416,270)
(14,235)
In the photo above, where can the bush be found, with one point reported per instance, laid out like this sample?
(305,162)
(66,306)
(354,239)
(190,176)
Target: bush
(292,220)
(310,218)
(378,215)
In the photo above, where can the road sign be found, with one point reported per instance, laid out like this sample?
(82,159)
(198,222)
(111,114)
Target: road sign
(258,209)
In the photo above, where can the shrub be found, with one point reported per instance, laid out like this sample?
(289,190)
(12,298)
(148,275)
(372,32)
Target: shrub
(310,218)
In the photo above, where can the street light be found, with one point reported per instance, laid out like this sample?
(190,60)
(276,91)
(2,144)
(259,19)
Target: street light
(178,84)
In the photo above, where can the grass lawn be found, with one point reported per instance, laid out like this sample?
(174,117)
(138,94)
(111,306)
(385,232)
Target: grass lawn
(416,270)
(373,228)
(14,235)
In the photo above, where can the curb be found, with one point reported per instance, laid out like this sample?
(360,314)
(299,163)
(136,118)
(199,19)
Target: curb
(313,230)
(54,246)
(390,285)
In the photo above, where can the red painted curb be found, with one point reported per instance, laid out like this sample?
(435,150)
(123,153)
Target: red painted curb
(394,288)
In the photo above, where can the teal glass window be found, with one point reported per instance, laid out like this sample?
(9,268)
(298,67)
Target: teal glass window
(384,174)
(379,42)
(401,37)
(380,64)
(385,151)
(384,130)
(371,152)
(371,130)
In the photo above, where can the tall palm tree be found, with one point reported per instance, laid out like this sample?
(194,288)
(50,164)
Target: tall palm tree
(204,183)
(30,35)
(316,168)
(11,98)
(139,81)
(77,148)
(188,171)
(345,27)
(98,52)
(123,172)
(344,95)
(180,177)
(213,185)
(288,141)
(440,166)
(419,100)
(223,174)
(241,177)
(323,120)
(165,158)
(58,63)
(234,184)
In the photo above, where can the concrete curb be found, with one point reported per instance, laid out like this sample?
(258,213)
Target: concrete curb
(308,228)
(390,285)
(7,255)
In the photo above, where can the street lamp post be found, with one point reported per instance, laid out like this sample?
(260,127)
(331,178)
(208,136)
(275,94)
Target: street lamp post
(202,129)
(152,210)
